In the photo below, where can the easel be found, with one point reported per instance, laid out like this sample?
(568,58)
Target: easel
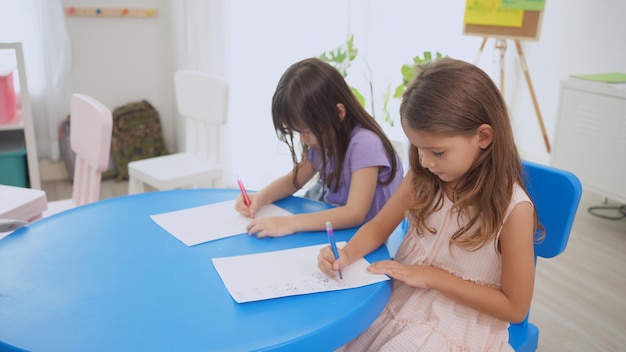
(528,31)
(501,46)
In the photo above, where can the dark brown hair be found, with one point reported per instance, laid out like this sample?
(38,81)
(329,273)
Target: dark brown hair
(306,97)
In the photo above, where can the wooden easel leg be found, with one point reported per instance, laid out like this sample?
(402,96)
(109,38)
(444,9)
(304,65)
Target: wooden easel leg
(501,45)
(480,50)
(522,61)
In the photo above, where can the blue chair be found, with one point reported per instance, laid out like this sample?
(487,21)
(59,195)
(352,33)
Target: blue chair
(556,194)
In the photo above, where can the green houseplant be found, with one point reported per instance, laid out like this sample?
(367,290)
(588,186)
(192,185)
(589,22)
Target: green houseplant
(344,55)
(341,58)
(408,73)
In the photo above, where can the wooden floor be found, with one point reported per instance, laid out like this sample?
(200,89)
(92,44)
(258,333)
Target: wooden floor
(580,296)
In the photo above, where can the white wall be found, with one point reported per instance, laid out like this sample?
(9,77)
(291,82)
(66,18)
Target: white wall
(577,37)
(264,38)
(121,60)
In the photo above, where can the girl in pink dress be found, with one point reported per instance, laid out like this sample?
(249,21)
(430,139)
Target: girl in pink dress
(465,269)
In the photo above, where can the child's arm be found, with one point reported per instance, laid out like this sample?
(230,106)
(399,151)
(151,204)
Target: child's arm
(360,196)
(510,303)
(372,234)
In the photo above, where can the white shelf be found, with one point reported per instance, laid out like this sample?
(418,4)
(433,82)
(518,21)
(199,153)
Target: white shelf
(26,124)
(591,136)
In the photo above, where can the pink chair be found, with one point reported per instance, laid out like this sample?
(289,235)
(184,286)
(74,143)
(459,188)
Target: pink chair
(90,138)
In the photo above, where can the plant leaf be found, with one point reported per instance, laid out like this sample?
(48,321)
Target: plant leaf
(358,95)
(342,56)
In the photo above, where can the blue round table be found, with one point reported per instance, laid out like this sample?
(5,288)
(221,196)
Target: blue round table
(105,277)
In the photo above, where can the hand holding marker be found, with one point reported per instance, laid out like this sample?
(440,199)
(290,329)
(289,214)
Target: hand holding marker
(244,194)
(333,245)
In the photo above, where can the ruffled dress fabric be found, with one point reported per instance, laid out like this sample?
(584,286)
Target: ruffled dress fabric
(417,319)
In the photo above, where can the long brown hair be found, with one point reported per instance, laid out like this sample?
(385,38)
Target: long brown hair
(453,98)
(306,97)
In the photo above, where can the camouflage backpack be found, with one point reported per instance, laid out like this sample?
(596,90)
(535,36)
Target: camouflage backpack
(137,135)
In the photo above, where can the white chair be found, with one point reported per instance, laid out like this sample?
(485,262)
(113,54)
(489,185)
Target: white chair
(203,101)
(91,126)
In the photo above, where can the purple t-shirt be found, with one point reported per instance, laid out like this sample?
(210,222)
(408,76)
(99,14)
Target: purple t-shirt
(365,150)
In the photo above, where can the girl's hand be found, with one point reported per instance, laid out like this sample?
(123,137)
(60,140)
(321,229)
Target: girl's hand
(243,209)
(327,264)
(276,226)
(413,275)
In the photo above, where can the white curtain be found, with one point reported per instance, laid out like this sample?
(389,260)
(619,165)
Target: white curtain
(40,26)
(199,30)
(198,27)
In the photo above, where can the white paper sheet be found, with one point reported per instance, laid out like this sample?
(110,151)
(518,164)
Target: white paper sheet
(210,222)
(290,272)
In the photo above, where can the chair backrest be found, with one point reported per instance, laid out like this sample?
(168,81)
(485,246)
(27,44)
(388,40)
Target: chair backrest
(203,100)
(90,138)
(556,194)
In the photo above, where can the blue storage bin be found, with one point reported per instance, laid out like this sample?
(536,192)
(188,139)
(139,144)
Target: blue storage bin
(13,165)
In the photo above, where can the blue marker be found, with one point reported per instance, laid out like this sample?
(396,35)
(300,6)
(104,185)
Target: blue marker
(333,245)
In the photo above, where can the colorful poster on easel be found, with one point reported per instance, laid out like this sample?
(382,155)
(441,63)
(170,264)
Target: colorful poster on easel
(491,13)
(481,18)
(531,5)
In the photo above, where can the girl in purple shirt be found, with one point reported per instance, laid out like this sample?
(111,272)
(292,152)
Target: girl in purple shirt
(340,143)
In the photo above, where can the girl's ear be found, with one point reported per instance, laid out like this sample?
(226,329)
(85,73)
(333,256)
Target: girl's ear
(485,135)
(342,111)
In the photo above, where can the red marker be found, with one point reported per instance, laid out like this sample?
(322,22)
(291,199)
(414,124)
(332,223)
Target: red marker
(246,199)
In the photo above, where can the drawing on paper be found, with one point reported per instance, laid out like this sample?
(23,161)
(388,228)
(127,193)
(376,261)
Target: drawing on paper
(266,275)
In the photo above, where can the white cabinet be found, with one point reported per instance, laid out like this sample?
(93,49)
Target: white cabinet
(590,138)
(24,125)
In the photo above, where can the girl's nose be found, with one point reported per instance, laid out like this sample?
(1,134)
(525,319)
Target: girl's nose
(426,162)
